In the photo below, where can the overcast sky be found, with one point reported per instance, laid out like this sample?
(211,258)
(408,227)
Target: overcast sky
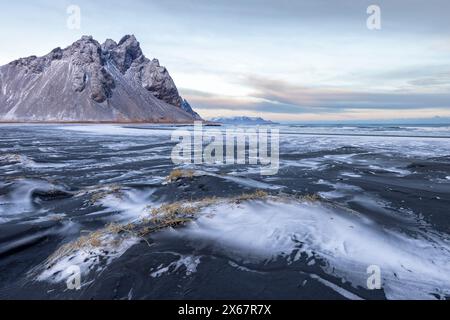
(279,59)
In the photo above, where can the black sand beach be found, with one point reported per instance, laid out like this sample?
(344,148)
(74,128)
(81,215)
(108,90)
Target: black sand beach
(343,199)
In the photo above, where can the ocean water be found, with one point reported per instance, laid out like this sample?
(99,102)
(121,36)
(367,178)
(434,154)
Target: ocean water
(345,198)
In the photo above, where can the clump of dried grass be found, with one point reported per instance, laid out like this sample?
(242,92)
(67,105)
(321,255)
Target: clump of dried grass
(57,218)
(206,202)
(113,189)
(178,174)
(257,195)
(170,215)
(311,197)
(93,239)
(120,228)
(174,209)
(15,178)
(11,157)
(90,241)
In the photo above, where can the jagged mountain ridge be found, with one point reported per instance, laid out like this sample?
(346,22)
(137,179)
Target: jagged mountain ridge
(89,81)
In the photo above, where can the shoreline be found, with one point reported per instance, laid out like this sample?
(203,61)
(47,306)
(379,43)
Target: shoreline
(205,123)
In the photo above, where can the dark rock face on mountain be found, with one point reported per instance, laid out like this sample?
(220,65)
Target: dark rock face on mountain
(89,81)
(187,107)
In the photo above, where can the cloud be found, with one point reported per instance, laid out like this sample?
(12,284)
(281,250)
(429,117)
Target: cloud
(441,79)
(327,99)
(276,96)
(416,16)
(278,57)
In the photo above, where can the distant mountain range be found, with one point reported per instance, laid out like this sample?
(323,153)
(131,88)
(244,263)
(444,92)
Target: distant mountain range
(242,120)
(91,82)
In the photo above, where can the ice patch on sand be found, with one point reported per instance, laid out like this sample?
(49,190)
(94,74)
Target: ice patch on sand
(247,182)
(22,160)
(19,200)
(103,129)
(342,158)
(341,190)
(190,263)
(399,172)
(313,164)
(345,293)
(257,231)
(242,268)
(131,205)
(89,258)
(351,175)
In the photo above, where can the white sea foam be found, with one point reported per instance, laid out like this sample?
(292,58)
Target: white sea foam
(403,146)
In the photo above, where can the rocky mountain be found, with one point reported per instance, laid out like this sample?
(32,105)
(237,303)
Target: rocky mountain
(89,81)
(242,121)
(187,107)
